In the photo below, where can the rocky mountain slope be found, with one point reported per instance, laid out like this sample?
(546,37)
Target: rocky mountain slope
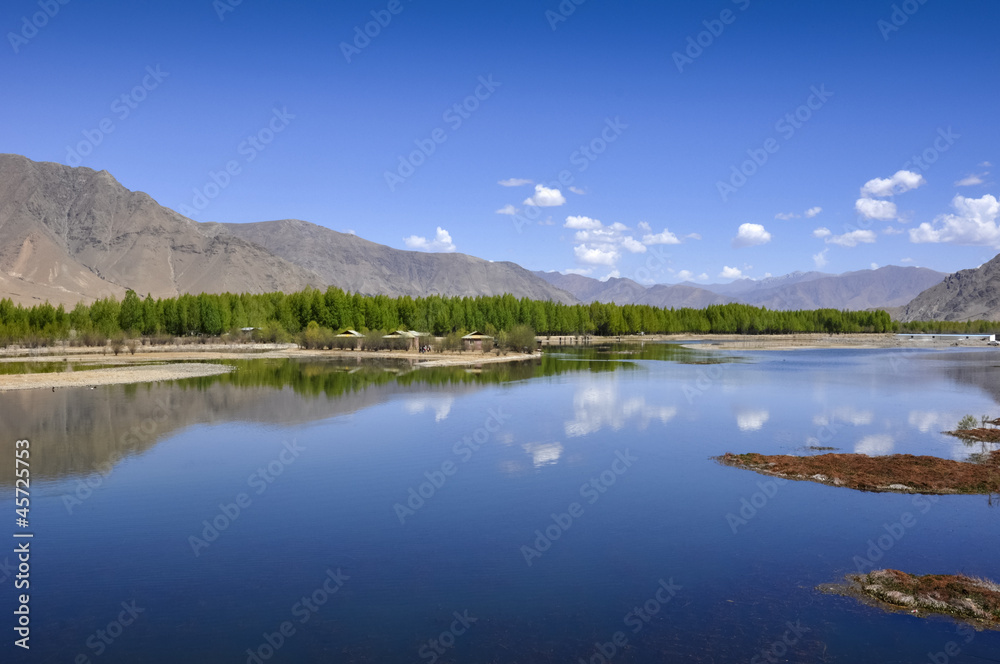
(75,234)
(966,295)
(72,234)
(358,265)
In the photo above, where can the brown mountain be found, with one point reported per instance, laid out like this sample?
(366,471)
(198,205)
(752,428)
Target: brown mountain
(966,295)
(72,234)
(358,265)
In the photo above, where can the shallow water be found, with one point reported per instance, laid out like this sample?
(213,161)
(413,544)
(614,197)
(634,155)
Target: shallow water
(321,457)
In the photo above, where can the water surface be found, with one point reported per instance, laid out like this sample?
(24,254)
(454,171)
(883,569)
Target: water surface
(593,465)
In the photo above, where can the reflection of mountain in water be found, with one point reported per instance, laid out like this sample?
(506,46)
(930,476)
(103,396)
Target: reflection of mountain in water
(979,369)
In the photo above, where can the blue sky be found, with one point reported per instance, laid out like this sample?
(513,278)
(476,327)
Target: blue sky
(694,140)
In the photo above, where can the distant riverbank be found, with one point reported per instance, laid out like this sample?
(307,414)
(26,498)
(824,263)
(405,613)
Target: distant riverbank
(169,362)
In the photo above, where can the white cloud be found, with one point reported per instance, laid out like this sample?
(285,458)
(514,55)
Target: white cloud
(899,183)
(666,237)
(545,197)
(350,231)
(749,235)
(685,275)
(822,231)
(844,414)
(986,164)
(595,255)
(581,271)
(905,260)
(644,226)
(614,274)
(875,445)
(598,407)
(585,223)
(892,230)
(752,420)
(440,406)
(578,191)
(820,258)
(703,276)
(442,242)
(731,273)
(507,209)
(874,266)
(543,454)
(971,180)
(852,239)
(808,214)
(513,182)
(874,209)
(692,236)
(630,244)
(974,222)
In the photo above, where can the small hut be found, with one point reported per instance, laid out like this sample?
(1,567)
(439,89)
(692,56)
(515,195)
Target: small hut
(474,340)
(350,334)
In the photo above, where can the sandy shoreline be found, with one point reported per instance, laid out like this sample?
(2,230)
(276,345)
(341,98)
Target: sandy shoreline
(176,362)
(113,376)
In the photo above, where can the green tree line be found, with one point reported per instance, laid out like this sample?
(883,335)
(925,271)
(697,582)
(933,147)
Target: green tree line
(280,316)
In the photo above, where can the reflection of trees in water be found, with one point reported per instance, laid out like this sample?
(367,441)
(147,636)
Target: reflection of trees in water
(78,431)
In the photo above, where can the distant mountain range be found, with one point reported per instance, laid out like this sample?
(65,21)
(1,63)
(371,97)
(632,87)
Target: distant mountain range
(75,234)
(865,289)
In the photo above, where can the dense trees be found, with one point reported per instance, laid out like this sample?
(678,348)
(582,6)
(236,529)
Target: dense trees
(278,316)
